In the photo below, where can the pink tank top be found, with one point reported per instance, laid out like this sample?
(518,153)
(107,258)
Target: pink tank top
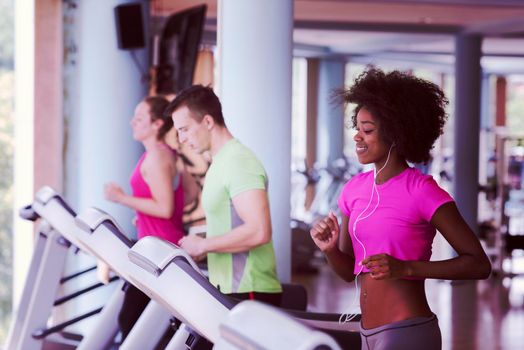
(400,226)
(169,229)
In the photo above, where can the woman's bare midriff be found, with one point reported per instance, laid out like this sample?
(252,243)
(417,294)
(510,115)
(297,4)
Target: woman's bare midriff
(386,301)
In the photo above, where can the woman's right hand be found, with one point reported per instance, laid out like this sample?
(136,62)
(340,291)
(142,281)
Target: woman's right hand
(113,192)
(325,232)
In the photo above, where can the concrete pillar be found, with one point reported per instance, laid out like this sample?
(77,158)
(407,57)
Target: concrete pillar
(103,89)
(254,60)
(102,86)
(467,125)
(311,123)
(330,125)
(486,114)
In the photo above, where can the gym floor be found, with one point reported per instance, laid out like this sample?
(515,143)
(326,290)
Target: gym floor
(472,315)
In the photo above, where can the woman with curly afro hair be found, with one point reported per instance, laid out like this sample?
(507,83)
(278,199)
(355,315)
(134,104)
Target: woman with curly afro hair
(390,215)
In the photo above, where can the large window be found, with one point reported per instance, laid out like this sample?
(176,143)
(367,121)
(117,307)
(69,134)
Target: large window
(515,104)
(298,120)
(6,163)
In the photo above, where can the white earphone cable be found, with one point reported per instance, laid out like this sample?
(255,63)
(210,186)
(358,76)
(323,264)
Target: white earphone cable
(348,316)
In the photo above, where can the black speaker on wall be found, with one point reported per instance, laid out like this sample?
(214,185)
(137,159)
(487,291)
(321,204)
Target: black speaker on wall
(129,26)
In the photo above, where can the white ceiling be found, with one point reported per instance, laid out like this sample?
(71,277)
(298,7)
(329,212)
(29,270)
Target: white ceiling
(407,32)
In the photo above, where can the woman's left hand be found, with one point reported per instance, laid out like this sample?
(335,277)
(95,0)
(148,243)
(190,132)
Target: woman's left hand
(384,266)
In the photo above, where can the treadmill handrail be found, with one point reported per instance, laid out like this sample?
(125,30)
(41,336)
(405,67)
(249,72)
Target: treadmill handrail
(242,331)
(154,254)
(223,299)
(28,213)
(46,194)
(92,217)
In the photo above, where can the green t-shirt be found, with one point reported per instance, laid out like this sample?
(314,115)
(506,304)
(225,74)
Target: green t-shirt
(236,169)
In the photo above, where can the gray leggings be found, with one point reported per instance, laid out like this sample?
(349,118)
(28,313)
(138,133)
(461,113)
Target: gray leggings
(413,333)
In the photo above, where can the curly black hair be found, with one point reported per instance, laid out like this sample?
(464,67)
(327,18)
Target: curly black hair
(411,111)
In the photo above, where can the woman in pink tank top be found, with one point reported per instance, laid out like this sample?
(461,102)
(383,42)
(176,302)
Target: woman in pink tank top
(390,215)
(158,195)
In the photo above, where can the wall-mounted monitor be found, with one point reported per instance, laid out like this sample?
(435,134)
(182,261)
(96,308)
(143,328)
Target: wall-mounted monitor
(178,49)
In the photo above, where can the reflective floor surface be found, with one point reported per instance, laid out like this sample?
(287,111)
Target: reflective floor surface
(472,315)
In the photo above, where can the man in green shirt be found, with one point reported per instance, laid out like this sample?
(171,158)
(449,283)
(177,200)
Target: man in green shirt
(241,258)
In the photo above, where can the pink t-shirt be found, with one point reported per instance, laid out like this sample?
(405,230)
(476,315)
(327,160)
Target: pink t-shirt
(169,229)
(400,226)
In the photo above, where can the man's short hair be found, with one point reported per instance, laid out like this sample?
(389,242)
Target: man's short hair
(200,100)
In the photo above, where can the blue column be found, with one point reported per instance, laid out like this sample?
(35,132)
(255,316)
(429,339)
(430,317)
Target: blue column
(486,115)
(487,139)
(330,127)
(255,89)
(467,125)
(102,87)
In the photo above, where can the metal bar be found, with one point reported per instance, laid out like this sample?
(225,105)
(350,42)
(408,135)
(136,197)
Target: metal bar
(66,298)
(44,332)
(70,277)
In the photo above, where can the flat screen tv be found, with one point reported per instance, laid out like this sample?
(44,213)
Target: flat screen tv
(179,43)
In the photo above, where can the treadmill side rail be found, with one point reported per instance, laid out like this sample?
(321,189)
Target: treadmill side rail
(92,217)
(271,329)
(45,194)
(154,254)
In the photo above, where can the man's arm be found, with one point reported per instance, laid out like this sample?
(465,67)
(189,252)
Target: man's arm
(252,206)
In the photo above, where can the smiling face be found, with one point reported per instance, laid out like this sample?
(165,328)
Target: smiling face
(141,124)
(195,134)
(370,147)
